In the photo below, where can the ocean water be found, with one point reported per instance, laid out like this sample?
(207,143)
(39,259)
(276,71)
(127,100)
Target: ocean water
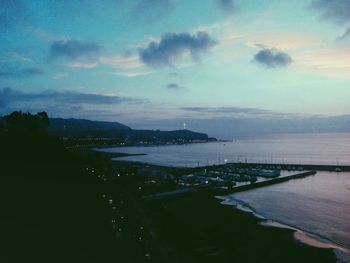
(318,205)
(327,148)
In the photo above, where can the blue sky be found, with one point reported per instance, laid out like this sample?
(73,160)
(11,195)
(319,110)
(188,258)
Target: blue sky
(160,60)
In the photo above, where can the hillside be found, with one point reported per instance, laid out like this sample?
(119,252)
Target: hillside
(76,126)
(86,129)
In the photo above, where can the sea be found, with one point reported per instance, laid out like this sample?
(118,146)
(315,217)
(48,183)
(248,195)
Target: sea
(326,148)
(316,207)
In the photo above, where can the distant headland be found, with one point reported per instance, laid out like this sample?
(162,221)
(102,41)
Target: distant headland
(87,132)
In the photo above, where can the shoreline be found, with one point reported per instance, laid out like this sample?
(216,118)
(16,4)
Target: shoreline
(314,240)
(151,145)
(233,233)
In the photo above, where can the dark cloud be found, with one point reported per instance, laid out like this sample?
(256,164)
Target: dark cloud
(13,96)
(345,36)
(152,10)
(335,10)
(174,86)
(272,58)
(171,46)
(87,98)
(226,5)
(8,70)
(74,49)
(32,71)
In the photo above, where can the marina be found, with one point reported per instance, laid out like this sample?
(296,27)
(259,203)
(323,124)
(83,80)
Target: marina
(226,180)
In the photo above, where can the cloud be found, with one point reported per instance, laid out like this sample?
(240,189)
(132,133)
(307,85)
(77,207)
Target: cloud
(226,5)
(88,55)
(335,10)
(9,70)
(152,10)
(226,110)
(238,112)
(171,46)
(272,58)
(91,55)
(174,86)
(77,64)
(125,62)
(345,36)
(51,97)
(326,61)
(14,56)
(60,75)
(233,128)
(31,71)
(74,49)
(134,74)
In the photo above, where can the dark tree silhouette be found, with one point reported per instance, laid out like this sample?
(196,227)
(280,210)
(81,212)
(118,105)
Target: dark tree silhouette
(51,209)
(19,122)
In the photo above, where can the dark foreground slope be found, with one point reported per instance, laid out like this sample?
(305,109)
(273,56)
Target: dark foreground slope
(51,211)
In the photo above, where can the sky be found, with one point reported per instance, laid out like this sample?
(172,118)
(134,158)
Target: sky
(159,63)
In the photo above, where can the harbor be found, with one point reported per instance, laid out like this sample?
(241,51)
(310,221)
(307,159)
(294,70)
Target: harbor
(231,178)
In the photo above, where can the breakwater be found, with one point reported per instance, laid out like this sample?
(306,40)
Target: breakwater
(270,182)
(289,167)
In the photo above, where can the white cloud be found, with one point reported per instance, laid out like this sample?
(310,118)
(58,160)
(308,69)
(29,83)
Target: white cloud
(86,65)
(124,62)
(326,61)
(133,74)
(60,75)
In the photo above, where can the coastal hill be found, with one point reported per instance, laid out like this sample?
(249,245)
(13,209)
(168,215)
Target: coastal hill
(78,125)
(106,131)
